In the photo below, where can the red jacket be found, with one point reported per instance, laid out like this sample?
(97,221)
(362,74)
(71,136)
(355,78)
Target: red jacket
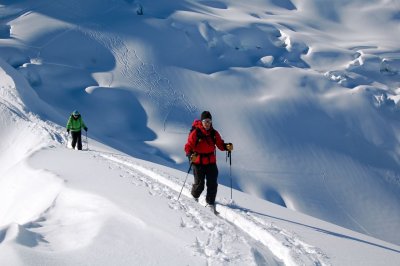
(204,145)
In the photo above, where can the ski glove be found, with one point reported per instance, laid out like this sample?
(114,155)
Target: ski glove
(192,157)
(68,131)
(85,128)
(229,146)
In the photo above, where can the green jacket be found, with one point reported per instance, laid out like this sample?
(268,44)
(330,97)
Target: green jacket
(75,124)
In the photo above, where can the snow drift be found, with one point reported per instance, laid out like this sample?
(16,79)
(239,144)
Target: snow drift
(306,91)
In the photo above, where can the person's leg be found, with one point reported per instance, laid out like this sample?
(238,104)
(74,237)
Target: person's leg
(74,136)
(212,183)
(79,140)
(199,177)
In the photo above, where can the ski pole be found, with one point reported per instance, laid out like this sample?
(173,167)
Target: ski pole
(66,144)
(87,142)
(190,167)
(229,155)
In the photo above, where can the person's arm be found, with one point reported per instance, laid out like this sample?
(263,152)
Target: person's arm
(219,142)
(69,125)
(191,143)
(83,125)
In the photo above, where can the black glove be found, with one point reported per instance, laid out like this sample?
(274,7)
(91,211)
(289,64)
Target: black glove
(228,146)
(68,130)
(85,128)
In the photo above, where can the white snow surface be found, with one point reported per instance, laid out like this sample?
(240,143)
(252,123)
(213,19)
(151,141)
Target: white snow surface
(307,91)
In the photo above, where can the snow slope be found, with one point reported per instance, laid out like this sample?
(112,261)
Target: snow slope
(306,90)
(103,207)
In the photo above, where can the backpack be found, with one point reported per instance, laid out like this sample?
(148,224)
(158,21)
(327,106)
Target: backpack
(199,133)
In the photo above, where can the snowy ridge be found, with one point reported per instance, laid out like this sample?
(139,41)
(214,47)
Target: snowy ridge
(283,245)
(19,125)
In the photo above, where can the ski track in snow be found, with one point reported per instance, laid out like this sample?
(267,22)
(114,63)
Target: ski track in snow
(222,229)
(143,75)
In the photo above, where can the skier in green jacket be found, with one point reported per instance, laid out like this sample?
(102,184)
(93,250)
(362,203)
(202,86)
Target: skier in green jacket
(75,125)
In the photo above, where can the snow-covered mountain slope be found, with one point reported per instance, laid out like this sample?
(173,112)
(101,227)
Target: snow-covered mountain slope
(102,207)
(306,90)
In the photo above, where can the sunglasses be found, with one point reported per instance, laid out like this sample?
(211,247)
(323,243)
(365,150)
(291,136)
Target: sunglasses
(206,121)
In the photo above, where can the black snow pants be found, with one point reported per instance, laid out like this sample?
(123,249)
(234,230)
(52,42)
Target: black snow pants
(205,174)
(76,138)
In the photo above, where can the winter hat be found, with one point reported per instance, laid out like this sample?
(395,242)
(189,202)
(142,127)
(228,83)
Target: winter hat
(205,115)
(75,112)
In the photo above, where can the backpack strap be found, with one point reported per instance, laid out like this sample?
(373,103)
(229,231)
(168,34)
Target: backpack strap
(201,136)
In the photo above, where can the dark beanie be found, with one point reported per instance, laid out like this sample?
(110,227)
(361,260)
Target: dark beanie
(205,115)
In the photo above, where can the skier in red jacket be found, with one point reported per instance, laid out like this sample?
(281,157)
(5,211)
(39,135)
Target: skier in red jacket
(200,149)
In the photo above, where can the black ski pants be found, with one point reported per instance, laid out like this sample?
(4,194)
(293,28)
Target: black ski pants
(205,174)
(76,138)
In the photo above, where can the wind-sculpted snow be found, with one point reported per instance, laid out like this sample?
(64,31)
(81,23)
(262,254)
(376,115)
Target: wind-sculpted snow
(61,206)
(241,234)
(307,91)
(22,133)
